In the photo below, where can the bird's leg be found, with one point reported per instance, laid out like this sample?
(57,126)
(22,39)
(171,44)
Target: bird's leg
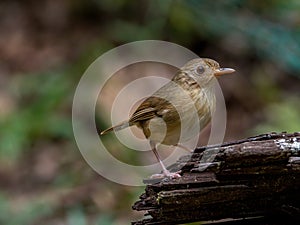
(166,173)
(184,148)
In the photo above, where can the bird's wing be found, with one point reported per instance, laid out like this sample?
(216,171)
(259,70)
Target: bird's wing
(151,107)
(143,114)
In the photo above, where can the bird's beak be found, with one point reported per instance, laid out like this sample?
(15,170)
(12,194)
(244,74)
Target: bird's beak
(221,71)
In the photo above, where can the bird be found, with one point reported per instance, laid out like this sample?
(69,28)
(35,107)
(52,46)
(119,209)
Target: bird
(176,111)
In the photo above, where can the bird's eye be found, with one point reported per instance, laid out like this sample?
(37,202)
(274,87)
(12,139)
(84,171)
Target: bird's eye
(200,69)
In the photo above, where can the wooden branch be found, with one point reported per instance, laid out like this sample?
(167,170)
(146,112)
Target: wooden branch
(250,178)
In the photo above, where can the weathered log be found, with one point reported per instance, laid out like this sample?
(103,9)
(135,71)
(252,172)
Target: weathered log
(250,178)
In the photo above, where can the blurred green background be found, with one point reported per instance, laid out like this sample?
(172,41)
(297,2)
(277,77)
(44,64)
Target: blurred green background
(45,46)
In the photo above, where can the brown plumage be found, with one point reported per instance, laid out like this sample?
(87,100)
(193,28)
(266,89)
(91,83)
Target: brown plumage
(187,99)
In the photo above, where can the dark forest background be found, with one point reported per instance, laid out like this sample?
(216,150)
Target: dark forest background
(45,46)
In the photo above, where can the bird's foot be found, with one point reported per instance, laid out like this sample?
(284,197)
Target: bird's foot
(166,174)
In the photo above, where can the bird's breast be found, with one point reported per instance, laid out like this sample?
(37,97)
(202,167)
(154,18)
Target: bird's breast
(190,112)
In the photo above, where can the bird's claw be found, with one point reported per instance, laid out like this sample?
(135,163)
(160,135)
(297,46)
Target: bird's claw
(166,174)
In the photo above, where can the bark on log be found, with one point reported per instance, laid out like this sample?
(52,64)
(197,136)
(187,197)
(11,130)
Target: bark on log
(251,178)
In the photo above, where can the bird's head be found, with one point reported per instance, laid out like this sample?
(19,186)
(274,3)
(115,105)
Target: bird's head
(203,70)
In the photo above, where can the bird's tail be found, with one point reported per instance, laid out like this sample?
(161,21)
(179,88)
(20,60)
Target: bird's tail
(118,127)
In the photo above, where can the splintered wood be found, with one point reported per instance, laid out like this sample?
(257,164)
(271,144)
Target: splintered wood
(249,178)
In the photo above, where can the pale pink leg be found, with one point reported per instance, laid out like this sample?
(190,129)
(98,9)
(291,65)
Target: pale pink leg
(166,173)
